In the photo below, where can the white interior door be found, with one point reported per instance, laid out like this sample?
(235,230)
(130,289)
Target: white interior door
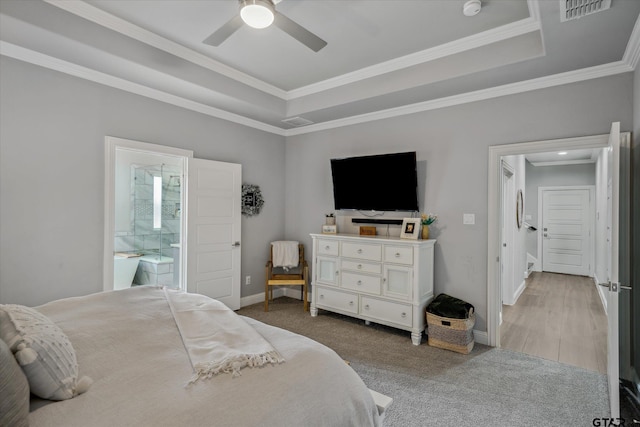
(613,204)
(566,222)
(213,237)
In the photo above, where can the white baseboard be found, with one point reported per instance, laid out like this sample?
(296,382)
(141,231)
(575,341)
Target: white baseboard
(601,292)
(519,291)
(481,337)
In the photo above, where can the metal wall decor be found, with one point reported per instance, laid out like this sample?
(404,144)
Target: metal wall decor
(252,200)
(519,208)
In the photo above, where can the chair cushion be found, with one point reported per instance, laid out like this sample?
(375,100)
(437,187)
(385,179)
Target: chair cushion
(14,390)
(43,351)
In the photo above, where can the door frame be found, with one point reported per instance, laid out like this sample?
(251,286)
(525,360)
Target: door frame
(591,216)
(507,231)
(111,144)
(494,226)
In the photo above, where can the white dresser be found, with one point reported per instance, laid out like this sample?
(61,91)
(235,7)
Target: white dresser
(385,280)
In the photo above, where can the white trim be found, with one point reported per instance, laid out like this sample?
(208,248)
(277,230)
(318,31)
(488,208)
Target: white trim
(632,52)
(480,337)
(519,291)
(493,209)
(562,163)
(601,293)
(52,63)
(112,22)
(479,95)
(110,145)
(475,41)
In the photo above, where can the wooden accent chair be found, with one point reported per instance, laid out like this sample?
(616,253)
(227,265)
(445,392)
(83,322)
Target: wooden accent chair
(277,276)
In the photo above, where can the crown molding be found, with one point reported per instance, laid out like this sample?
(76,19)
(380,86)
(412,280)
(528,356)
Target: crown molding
(36,58)
(480,95)
(475,41)
(112,22)
(632,52)
(46,61)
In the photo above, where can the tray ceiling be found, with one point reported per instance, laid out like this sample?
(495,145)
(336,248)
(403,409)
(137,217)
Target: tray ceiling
(382,58)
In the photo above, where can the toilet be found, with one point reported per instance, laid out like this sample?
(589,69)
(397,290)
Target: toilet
(124,270)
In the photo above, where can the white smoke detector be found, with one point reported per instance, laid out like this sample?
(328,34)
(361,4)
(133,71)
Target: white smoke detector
(472,8)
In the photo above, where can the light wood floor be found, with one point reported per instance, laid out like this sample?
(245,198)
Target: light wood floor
(558,317)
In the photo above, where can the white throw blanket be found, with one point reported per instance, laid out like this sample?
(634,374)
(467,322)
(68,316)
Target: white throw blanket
(285,254)
(217,339)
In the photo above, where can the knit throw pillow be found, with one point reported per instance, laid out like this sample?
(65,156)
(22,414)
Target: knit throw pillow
(14,391)
(43,351)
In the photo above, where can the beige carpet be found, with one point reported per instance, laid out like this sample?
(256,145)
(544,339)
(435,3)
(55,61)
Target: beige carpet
(435,387)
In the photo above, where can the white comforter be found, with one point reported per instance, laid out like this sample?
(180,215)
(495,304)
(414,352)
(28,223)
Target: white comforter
(128,343)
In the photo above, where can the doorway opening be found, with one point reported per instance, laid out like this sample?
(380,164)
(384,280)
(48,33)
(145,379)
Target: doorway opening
(145,229)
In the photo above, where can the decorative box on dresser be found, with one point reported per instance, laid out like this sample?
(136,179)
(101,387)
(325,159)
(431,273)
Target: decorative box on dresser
(384,280)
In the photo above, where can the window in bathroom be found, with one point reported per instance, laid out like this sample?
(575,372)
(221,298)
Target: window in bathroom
(157,202)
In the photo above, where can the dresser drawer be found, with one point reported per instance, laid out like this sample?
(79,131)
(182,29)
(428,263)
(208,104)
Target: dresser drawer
(328,247)
(364,267)
(372,252)
(398,254)
(360,282)
(388,311)
(338,300)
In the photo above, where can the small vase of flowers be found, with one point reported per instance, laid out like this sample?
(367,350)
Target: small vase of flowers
(426,221)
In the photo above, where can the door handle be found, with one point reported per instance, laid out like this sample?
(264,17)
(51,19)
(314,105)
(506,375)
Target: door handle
(614,287)
(236,244)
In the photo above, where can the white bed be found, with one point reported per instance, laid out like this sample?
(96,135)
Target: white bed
(128,343)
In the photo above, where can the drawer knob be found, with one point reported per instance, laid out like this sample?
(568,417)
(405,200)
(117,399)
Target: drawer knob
(359,251)
(366,307)
(359,282)
(327,247)
(351,303)
(321,296)
(404,315)
(337,271)
(359,266)
(397,254)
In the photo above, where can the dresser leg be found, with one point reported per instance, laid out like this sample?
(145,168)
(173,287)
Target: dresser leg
(416,337)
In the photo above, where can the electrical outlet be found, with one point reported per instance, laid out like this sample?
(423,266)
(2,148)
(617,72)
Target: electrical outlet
(469,219)
(247,280)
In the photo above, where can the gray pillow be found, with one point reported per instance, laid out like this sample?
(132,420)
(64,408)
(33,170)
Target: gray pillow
(14,390)
(43,351)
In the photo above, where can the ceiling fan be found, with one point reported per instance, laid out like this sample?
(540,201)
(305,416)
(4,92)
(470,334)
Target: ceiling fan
(261,14)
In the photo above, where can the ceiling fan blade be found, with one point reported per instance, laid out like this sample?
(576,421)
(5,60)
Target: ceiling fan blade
(224,32)
(299,33)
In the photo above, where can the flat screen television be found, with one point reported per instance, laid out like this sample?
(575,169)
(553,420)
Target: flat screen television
(385,182)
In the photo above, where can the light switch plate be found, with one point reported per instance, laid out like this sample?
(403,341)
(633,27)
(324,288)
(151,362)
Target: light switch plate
(469,219)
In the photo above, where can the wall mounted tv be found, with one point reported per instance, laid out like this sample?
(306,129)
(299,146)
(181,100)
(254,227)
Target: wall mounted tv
(385,182)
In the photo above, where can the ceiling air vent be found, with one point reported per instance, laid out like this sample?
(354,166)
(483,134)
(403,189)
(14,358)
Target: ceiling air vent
(574,9)
(297,121)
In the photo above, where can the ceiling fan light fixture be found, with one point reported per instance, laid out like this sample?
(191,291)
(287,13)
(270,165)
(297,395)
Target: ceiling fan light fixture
(257,13)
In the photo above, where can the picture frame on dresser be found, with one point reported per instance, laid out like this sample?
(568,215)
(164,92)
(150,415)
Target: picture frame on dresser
(410,228)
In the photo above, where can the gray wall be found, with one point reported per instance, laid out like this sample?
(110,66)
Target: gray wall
(52,177)
(550,176)
(452,147)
